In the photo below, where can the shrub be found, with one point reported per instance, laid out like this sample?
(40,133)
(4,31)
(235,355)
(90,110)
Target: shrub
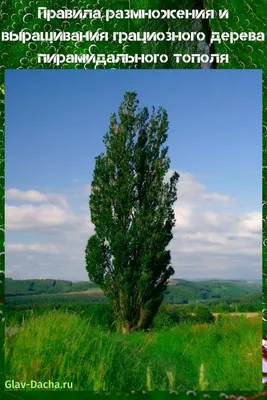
(203,315)
(162,321)
(101,315)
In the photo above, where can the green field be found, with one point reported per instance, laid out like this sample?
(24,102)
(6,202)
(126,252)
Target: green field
(66,332)
(64,347)
(84,297)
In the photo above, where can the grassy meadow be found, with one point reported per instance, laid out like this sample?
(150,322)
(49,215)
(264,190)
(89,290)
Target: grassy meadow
(64,347)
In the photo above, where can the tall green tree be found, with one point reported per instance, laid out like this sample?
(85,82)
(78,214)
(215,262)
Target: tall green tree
(131,205)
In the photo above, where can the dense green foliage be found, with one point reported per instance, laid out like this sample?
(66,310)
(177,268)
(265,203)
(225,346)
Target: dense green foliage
(131,207)
(102,314)
(169,316)
(63,347)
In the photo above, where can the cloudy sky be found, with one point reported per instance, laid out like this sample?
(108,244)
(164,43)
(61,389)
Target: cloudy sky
(55,121)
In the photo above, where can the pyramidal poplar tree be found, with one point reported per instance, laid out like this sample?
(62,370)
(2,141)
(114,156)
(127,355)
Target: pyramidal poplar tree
(131,206)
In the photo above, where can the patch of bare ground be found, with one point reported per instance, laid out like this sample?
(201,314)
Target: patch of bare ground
(236,314)
(89,292)
(10,331)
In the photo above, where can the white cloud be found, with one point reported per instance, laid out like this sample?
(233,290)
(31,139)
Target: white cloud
(253,222)
(33,196)
(183,216)
(52,211)
(34,248)
(29,216)
(189,190)
(206,243)
(217,197)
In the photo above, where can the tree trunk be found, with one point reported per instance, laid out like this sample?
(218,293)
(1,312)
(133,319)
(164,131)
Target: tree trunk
(125,329)
(142,319)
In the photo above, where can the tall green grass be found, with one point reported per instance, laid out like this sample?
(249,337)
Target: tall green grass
(63,347)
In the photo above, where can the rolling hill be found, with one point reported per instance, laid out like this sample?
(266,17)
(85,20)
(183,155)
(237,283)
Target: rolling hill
(179,291)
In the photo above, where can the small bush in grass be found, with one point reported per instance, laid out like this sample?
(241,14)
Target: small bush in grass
(101,315)
(185,317)
(162,321)
(173,313)
(203,315)
(170,316)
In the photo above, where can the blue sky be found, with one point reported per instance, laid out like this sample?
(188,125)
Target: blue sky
(55,121)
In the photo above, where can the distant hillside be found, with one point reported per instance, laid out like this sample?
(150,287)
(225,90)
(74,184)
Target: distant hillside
(179,291)
(184,292)
(14,287)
